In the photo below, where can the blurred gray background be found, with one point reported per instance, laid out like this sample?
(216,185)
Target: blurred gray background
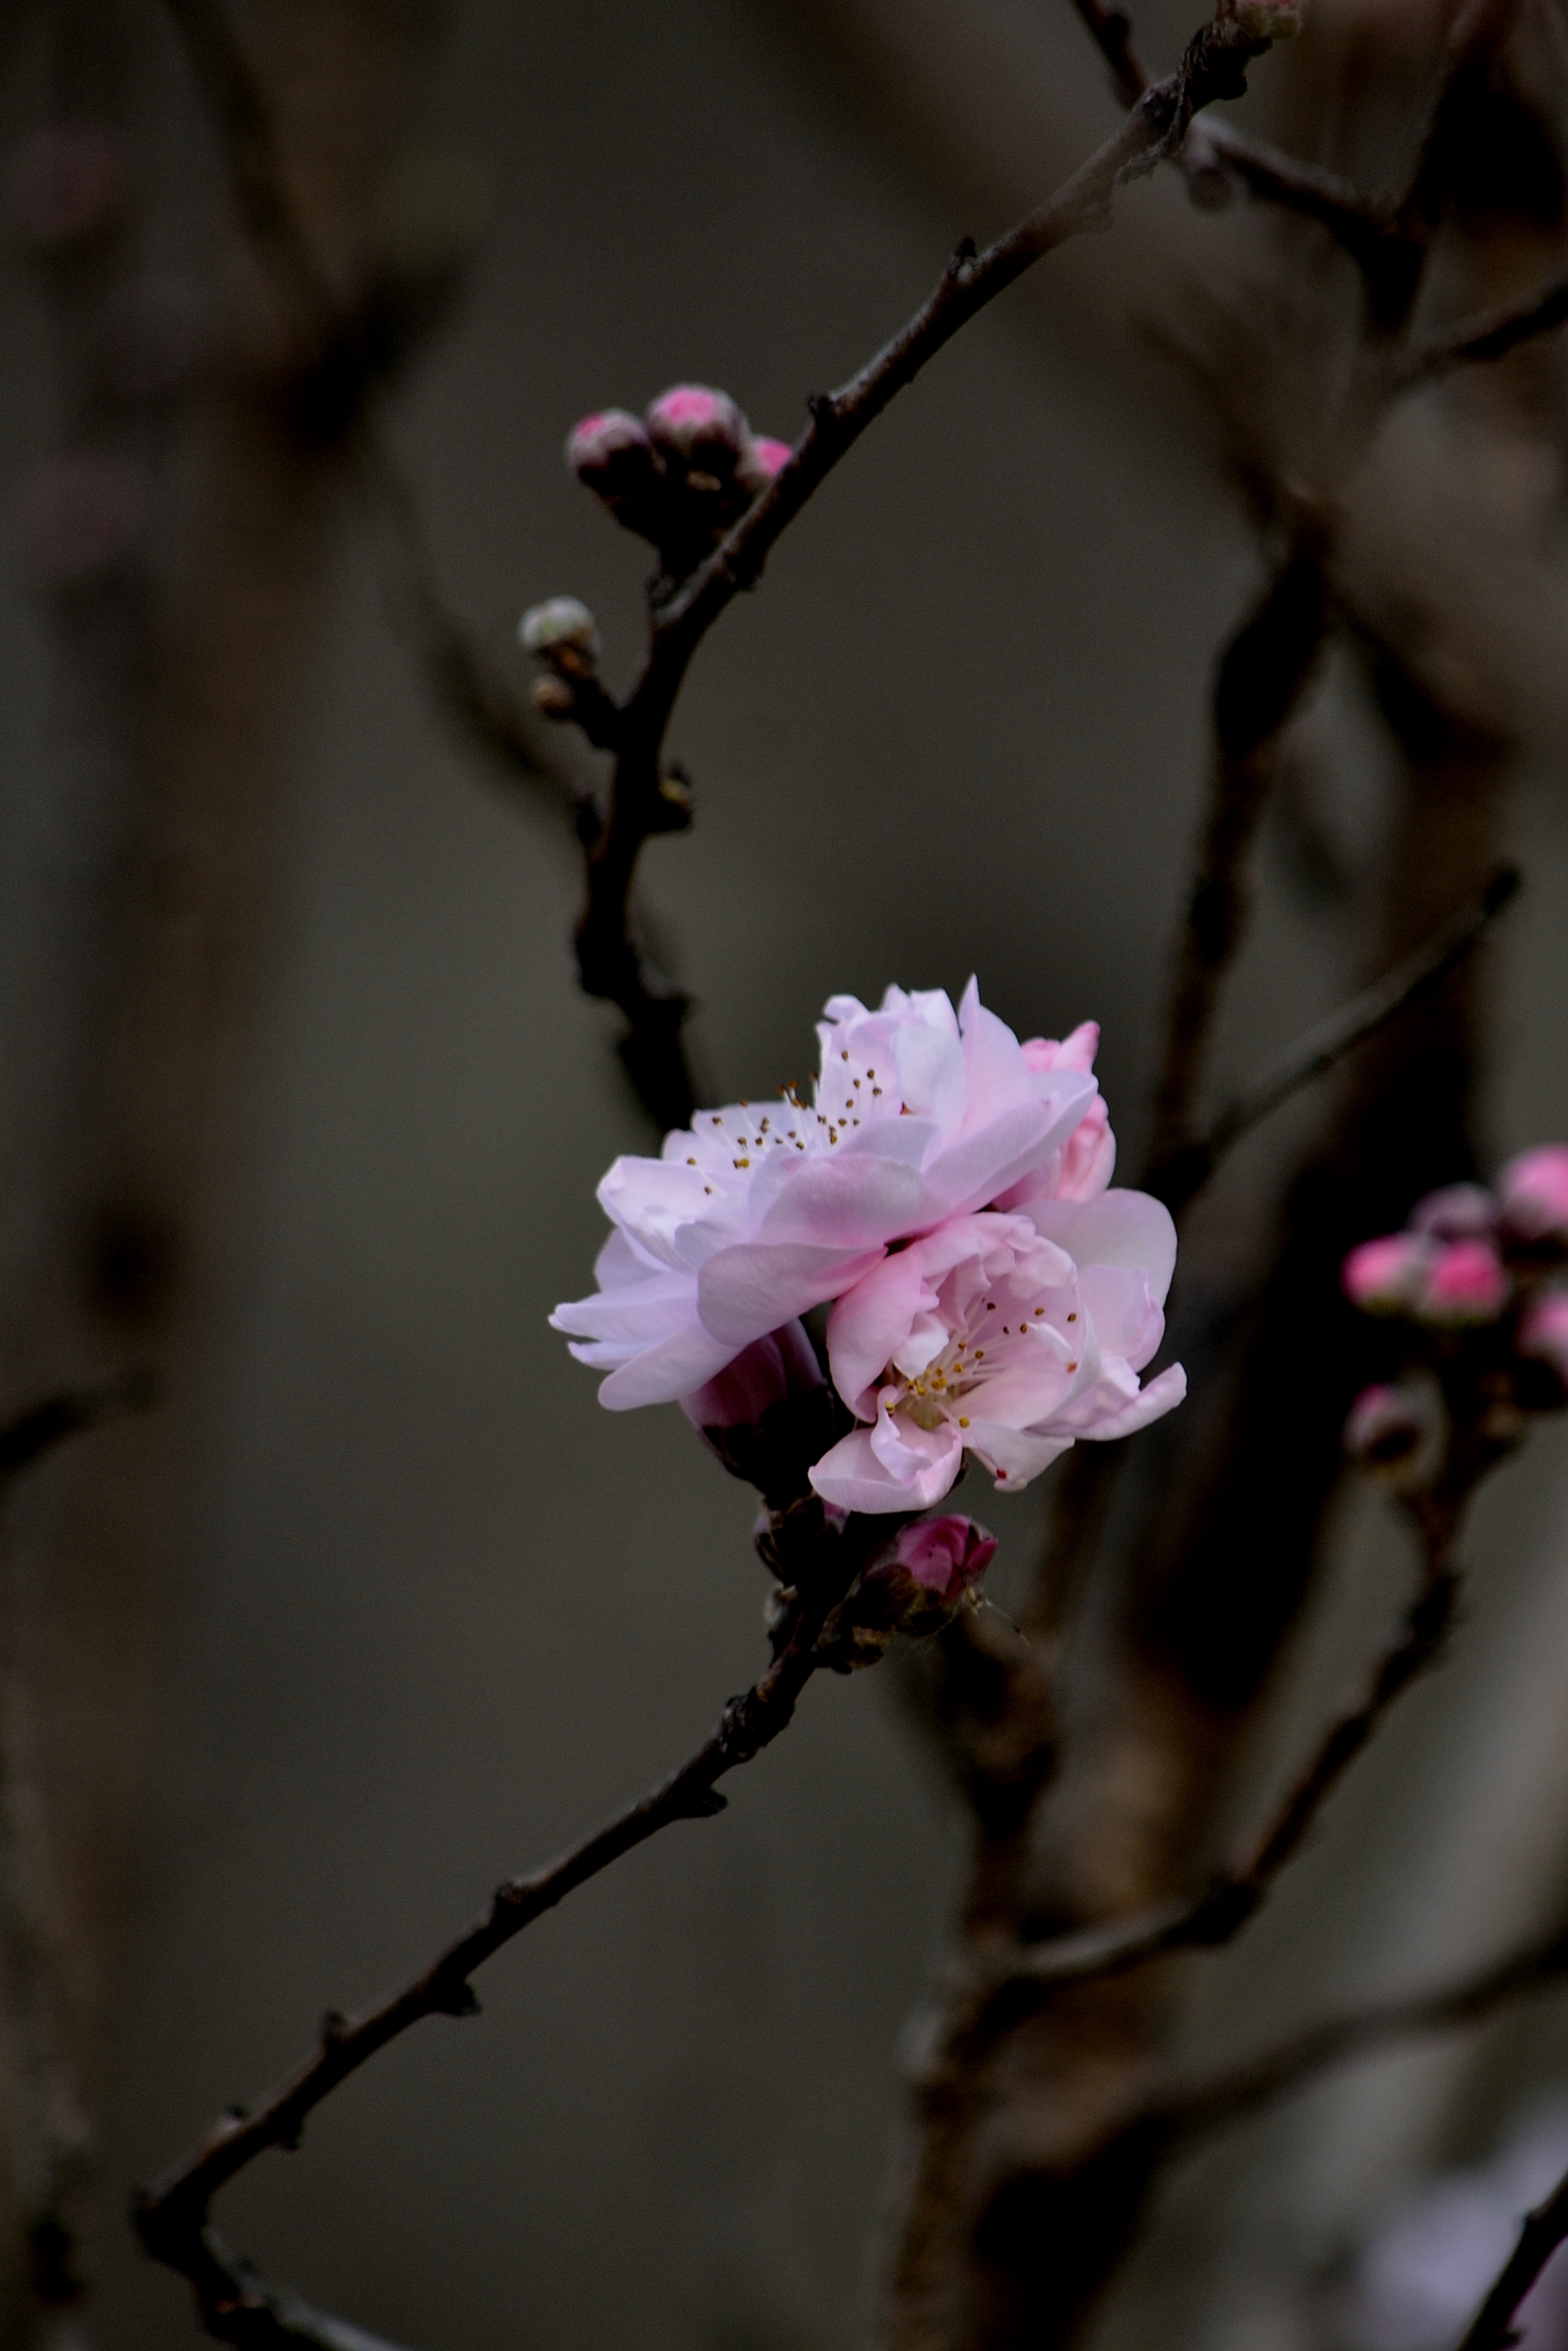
(446,1613)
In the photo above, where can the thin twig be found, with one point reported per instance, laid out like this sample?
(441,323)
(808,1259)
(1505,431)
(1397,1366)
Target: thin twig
(1262,678)
(1363,225)
(1234,1897)
(1490,336)
(173,2215)
(1240,2090)
(1544,2230)
(40,1427)
(1325,1047)
(1214,66)
(480,703)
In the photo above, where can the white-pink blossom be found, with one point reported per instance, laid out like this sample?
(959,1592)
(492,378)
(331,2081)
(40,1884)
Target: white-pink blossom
(1006,1337)
(763,1211)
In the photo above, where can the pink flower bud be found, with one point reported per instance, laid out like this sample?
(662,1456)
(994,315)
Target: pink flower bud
(1534,1193)
(1465,1282)
(946,1555)
(932,1569)
(1543,1331)
(1076,1051)
(596,442)
(700,427)
(1459,1212)
(69,180)
(80,512)
(1395,1432)
(1385,1276)
(760,460)
(771,1369)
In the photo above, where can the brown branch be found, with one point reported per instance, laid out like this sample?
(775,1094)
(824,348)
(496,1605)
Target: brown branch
(1325,1047)
(1214,152)
(173,2215)
(1543,2230)
(1214,66)
(479,703)
(1217,1915)
(1240,2090)
(36,1432)
(1490,336)
(1263,675)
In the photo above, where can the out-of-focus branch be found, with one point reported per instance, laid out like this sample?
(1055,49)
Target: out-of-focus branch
(481,704)
(53,2138)
(173,2215)
(1236,1895)
(1489,337)
(1323,1050)
(1544,2230)
(1263,675)
(1229,2096)
(1212,151)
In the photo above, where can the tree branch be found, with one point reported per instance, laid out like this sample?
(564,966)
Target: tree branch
(1234,1897)
(817,1568)
(1213,152)
(1325,1047)
(1214,66)
(1490,336)
(1229,2096)
(1543,2230)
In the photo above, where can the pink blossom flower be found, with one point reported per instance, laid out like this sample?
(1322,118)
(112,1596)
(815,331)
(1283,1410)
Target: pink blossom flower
(1008,1337)
(946,1555)
(1465,1281)
(1385,1276)
(1543,1331)
(1086,1161)
(763,1211)
(771,1369)
(1534,1193)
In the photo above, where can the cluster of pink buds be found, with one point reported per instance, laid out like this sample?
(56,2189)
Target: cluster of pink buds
(679,476)
(1479,1277)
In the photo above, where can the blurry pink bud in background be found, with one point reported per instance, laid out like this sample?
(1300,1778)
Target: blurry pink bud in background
(1534,1193)
(1465,1282)
(612,454)
(761,460)
(68,180)
(1543,1331)
(947,1556)
(80,510)
(1385,1276)
(1395,1431)
(770,1369)
(1459,1212)
(700,426)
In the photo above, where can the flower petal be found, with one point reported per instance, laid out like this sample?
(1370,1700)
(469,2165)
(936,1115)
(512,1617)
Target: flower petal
(1117,1228)
(752,1288)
